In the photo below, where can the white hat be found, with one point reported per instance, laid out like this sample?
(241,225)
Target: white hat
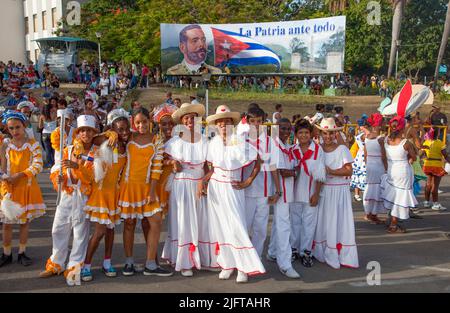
(328,124)
(223,111)
(115,114)
(66,112)
(24,104)
(86,121)
(187,108)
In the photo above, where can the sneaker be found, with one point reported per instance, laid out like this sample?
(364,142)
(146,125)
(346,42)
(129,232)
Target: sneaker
(128,270)
(86,274)
(440,191)
(110,272)
(358,198)
(295,255)
(290,272)
(414,215)
(5,259)
(241,277)
(23,259)
(159,271)
(415,210)
(307,260)
(270,258)
(187,273)
(438,207)
(225,274)
(426,204)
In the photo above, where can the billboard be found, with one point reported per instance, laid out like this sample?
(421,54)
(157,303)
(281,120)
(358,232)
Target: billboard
(313,46)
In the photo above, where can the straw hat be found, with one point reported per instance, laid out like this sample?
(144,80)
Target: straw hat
(223,111)
(86,121)
(328,124)
(187,108)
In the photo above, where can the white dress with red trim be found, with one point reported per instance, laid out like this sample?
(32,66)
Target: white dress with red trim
(226,208)
(334,241)
(397,185)
(187,244)
(373,204)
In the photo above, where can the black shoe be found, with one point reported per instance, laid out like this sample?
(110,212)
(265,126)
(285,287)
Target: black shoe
(159,271)
(307,260)
(294,255)
(128,270)
(5,259)
(23,259)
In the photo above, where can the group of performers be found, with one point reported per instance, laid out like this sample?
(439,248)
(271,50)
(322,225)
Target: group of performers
(214,191)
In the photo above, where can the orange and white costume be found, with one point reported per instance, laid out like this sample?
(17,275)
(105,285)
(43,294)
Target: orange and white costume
(102,204)
(144,163)
(26,192)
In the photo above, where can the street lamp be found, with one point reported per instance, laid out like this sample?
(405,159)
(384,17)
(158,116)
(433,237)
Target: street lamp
(99,35)
(397,44)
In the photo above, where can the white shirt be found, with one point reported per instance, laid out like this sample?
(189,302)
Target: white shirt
(284,159)
(104,83)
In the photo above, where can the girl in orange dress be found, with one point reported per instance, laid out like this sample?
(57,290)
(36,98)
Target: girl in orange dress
(137,195)
(21,161)
(101,207)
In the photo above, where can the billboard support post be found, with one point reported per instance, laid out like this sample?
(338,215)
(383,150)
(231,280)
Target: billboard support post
(206,78)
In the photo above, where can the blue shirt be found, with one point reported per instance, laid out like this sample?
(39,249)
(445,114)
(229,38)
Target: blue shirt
(14,102)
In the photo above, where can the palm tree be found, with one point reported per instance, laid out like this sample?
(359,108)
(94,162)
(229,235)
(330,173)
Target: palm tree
(336,5)
(444,42)
(399,6)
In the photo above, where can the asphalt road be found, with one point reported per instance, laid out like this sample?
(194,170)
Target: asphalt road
(417,261)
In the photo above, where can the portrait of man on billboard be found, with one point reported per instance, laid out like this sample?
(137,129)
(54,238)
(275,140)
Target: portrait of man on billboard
(194,48)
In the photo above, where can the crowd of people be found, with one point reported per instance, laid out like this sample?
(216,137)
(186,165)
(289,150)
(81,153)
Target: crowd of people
(213,180)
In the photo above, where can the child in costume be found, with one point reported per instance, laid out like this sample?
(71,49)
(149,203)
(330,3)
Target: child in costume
(188,245)
(137,195)
(69,135)
(21,161)
(359,176)
(76,186)
(311,174)
(334,241)
(226,199)
(101,207)
(433,167)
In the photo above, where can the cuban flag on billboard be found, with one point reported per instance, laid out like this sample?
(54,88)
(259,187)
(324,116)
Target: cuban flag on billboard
(239,50)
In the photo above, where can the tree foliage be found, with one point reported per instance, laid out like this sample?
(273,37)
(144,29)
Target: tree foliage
(131,28)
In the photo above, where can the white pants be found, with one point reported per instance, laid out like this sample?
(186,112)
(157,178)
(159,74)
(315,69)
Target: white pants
(279,246)
(303,226)
(70,216)
(257,216)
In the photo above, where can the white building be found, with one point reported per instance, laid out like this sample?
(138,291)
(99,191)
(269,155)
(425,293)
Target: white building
(12,46)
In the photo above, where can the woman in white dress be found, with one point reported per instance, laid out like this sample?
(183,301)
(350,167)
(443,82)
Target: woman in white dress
(334,241)
(227,155)
(187,245)
(376,166)
(397,185)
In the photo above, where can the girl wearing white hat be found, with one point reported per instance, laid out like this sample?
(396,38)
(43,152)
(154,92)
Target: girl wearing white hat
(77,176)
(187,245)
(334,241)
(226,199)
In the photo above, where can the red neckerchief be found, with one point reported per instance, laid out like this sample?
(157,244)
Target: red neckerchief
(302,160)
(288,152)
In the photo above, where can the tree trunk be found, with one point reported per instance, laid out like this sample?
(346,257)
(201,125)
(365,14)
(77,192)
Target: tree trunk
(396,24)
(444,42)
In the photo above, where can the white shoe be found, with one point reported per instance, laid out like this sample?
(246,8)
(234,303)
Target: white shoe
(440,191)
(187,273)
(358,198)
(225,274)
(290,272)
(270,258)
(426,204)
(241,277)
(438,207)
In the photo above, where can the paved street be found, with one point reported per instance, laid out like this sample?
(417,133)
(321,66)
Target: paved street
(418,261)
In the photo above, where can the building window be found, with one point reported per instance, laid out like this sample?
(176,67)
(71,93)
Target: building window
(36,54)
(27,28)
(35,23)
(54,18)
(44,20)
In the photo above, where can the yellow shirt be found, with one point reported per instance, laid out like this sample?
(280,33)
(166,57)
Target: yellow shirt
(434,153)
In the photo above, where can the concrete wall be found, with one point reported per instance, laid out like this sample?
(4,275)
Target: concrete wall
(12,28)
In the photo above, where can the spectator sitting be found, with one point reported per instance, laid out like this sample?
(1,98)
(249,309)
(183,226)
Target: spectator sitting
(15,100)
